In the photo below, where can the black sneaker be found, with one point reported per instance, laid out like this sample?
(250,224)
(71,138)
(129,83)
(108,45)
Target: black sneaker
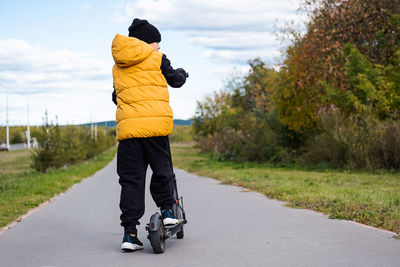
(131,243)
(169,217)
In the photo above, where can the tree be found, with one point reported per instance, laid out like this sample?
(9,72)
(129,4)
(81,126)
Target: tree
(314,71)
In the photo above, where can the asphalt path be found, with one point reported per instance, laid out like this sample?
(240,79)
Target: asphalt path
(227,226)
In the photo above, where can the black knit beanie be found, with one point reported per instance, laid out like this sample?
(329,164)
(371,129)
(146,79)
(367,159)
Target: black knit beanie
(144,31)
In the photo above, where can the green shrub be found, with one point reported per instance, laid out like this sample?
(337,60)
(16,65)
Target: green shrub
(324,148)
(48,154)
(17,134)
(59,146)
(390,142)
(253,145)
(18,138)
(240,122)
(358,141)
(181,133)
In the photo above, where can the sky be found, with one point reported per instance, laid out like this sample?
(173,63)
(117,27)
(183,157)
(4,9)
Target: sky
(56,55)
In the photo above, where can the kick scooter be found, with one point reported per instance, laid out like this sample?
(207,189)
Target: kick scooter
(158,232)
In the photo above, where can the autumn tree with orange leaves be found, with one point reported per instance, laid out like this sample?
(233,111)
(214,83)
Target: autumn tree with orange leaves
(334,99)
(315,73)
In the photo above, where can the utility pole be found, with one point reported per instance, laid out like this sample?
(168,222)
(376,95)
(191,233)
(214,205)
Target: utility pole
(8,130)
(95,130)
(28,131)
(91,126)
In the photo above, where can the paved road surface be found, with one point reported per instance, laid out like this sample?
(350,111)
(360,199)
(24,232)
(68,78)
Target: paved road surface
(14,146)
(227,227)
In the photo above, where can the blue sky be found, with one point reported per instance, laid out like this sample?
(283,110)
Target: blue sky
(56,54)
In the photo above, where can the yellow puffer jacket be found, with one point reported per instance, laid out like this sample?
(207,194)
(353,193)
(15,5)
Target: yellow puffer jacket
(143,108)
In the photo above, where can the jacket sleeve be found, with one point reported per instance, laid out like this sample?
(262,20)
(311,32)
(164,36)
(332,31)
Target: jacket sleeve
(175,78)
(114,96)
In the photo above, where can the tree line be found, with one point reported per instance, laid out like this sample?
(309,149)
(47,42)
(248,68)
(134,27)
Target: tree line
(59,146)
(334,99)
(64,145)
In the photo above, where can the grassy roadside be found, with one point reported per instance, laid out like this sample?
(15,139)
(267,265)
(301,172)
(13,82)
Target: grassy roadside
(368,198)
(22,188)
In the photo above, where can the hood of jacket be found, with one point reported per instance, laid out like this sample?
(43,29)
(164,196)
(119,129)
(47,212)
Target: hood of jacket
(129,51)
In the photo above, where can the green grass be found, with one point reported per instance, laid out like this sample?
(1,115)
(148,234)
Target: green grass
(368,198)
(22,188)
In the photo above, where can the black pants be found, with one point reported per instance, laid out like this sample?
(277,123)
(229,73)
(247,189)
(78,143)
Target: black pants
(134,155)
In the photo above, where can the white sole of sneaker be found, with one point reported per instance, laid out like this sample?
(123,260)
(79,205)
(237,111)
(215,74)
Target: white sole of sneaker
(170,221)
(126,246)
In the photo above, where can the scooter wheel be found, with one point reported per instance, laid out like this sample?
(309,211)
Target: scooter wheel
(180,234)
(157,238)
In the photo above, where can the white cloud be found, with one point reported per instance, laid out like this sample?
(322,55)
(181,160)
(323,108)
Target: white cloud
(268,54)
(25,68)
(72,85)
(234,40)
(224,72)
(199,14)
(226,28)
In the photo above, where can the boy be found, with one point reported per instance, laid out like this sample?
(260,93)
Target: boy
(144,121)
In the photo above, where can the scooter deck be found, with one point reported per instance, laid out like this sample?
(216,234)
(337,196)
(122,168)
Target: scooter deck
(174,225)
(171,230)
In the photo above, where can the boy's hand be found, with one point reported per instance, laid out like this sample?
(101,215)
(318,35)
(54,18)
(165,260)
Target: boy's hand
(183,72)
(175,78)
